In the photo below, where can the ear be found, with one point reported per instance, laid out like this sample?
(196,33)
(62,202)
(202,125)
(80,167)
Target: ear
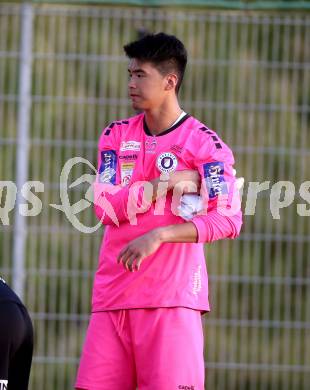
(171,82)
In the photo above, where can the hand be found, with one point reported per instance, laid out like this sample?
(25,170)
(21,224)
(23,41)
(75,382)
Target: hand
(175,178)
(189,175)
(132,255)
(190,206)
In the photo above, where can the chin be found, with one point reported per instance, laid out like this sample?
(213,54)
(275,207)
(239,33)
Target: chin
(137,107)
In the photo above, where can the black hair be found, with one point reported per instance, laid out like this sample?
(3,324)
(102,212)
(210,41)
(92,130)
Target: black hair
(166,52)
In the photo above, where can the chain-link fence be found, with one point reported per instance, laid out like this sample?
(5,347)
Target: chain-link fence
(63,76)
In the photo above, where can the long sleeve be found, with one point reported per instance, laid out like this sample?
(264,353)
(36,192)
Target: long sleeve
(222,216)
(110,197)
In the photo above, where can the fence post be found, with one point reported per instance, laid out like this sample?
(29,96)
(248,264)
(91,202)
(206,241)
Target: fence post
(24,110)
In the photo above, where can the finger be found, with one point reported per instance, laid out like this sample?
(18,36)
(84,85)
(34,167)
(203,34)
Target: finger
(138,262)
(122,253)
(129,261)
(125,257)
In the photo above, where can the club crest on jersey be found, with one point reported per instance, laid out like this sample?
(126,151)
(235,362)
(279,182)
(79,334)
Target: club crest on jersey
(107,169)
(214,177)
(167,162)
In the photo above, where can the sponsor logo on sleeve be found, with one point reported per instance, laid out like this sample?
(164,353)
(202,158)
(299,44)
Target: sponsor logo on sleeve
(107,170)
(130,145)
(167,162)
(214,177)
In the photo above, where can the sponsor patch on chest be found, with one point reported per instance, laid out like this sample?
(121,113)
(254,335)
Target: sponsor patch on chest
(126,172)
(214,178)
(177,148)
(129,157)
(150,145)
(130,145)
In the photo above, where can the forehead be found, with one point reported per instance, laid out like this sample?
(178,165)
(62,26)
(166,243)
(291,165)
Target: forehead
(135,65)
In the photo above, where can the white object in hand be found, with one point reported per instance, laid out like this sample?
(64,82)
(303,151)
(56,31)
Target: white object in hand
(192,204)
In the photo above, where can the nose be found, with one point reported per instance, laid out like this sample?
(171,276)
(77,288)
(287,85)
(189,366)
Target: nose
(131,84)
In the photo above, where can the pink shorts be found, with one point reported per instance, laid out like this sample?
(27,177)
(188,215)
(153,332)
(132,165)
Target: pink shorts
(152,349)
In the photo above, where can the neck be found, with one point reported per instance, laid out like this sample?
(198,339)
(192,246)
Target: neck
(161,118)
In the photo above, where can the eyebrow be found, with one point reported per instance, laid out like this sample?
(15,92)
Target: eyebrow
(136,71)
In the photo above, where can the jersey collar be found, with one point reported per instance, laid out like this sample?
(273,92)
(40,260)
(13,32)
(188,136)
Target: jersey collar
(147,130)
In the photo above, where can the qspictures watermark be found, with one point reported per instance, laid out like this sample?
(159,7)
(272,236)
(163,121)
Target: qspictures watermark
(3,384)
(281,195)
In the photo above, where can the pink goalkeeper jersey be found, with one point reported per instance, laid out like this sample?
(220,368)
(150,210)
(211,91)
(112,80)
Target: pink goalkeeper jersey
(175,275)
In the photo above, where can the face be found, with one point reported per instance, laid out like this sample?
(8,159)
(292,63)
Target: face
(147,88)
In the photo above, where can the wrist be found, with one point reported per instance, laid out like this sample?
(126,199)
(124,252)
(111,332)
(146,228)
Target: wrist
(159,234)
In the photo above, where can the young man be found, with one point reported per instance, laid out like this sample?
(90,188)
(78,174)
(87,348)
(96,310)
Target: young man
(16,341)
(151,285)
